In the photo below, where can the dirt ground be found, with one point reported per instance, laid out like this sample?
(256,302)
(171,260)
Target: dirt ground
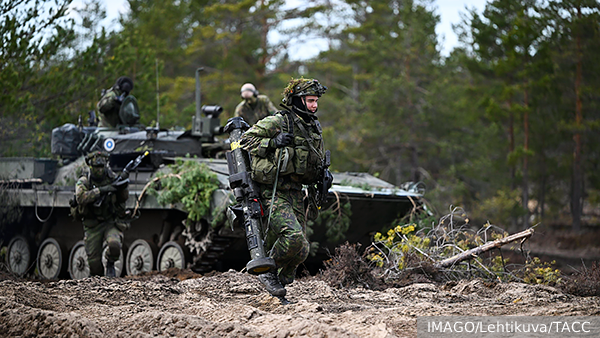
(234,304)
(181,303)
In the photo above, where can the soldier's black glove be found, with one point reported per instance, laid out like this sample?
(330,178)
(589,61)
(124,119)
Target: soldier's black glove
(282,140)
(121,184)
(107,188)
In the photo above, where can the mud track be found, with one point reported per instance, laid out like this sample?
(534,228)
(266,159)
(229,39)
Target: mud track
(234,304)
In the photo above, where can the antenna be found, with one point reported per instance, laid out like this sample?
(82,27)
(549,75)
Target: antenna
(197,118)
(157,99)
(198,95)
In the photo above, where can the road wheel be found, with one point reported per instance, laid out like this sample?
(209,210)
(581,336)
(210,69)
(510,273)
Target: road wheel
(19,255)
(140,257)
(171,255)
(78,263)
(51,259)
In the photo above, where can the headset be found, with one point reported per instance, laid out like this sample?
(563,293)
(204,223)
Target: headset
(251,89)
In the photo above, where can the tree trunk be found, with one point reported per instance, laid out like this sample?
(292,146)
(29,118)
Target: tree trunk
(511,142)
(414,163)
(525,159)
(543,183)
(398,169)
(264,58)
(511,149)
(576,198)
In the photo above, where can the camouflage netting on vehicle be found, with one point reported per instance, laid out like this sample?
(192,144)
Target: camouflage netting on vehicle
(10,210)
(190,184)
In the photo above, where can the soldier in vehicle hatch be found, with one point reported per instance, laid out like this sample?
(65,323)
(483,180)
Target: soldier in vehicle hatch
(101,207)
(254,106)
(110,103)
(292,138)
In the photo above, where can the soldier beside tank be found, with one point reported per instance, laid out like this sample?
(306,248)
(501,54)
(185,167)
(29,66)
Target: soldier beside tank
(292,142)
(117,106)
(254,106)
(101,207)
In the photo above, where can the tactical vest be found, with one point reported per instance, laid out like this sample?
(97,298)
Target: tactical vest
(302,162)
(92,215)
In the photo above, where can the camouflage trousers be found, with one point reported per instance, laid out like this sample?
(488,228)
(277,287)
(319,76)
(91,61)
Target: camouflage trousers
(96,238)
(286,240)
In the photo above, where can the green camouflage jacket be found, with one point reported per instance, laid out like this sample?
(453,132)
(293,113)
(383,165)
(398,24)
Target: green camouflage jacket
(300,163)
(109,108)
(87,193)
(263,107)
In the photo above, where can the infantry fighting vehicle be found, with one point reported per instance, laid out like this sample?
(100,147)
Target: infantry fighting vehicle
(38,234)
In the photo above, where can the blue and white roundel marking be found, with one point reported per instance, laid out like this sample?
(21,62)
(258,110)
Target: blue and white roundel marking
(109,144)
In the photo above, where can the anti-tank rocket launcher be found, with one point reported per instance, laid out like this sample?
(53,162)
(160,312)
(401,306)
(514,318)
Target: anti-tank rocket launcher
(247,195)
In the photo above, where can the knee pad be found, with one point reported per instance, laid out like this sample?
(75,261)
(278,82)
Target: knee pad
(114,249)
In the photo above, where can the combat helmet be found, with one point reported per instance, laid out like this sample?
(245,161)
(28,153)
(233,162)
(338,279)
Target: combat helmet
(96,159)
(248,90)
(302,87)
(124,84)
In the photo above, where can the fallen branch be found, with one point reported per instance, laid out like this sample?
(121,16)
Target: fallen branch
(473,253)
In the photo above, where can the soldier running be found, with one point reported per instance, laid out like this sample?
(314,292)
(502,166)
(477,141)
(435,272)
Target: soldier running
(102,208)
(291,141)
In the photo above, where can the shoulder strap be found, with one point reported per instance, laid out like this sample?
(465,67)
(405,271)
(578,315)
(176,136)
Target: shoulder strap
(288,125)
(308,137)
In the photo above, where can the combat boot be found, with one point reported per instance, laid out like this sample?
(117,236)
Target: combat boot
(286,277)
(286,280)
(110,269)
(272,284)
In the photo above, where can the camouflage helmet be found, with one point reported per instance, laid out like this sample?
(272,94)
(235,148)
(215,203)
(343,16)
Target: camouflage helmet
(302,87)
(96,159)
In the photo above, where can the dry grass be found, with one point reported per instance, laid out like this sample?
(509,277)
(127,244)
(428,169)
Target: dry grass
(584,283)
(348,269)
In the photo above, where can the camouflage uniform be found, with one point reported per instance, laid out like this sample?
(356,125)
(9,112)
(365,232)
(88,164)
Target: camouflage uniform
(287,242)
(252,112)
(104,223)
(110,102)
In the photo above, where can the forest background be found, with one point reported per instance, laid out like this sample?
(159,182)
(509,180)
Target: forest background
(506,126)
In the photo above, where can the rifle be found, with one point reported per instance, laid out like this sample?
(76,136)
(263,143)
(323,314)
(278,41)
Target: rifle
(247,195)
(123,178)
(325,181)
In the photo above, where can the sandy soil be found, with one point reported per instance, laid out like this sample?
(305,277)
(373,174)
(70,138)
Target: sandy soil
(234,304)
